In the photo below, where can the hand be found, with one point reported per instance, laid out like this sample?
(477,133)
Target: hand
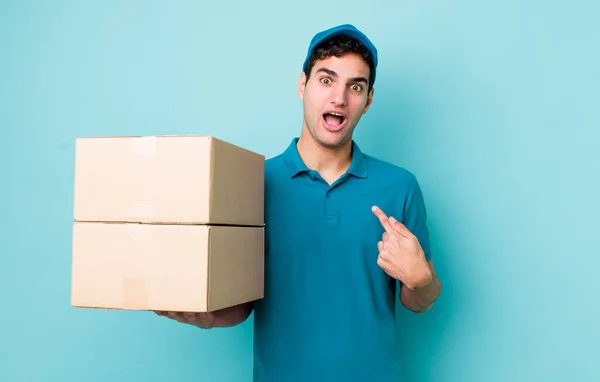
(202,320)
(400,254)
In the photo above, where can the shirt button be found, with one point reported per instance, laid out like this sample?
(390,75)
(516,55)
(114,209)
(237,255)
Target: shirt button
(327,194)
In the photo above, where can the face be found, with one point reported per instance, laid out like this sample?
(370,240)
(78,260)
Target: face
(335,98)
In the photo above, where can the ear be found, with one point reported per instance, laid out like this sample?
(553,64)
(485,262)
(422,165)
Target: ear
(369,100)
(301,85)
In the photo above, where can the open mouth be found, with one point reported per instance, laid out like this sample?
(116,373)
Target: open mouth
(334,121)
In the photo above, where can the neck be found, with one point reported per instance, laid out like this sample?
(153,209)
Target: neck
(330,162)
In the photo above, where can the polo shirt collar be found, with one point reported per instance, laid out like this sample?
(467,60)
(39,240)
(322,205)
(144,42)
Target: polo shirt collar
(295,164)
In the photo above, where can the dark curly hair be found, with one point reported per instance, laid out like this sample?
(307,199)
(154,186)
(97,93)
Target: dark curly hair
(338,46)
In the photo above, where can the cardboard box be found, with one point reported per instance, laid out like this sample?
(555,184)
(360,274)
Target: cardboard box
(190,179)
(170,223)
(190,268)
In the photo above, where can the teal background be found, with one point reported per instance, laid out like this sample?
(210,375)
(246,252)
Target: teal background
(494,105)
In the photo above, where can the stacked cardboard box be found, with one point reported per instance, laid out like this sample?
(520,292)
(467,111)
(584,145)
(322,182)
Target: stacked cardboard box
(170,223)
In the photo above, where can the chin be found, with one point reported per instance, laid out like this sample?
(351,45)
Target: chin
(332,140)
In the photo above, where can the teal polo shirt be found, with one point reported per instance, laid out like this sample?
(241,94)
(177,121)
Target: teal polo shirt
(328,310)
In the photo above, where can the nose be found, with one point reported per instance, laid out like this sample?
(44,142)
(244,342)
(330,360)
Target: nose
(339,96)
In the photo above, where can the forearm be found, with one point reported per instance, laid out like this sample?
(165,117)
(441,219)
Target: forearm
(420,298)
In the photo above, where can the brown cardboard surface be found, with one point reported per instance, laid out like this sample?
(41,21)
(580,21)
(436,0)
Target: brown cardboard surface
(234,277)
(189,179)
(193,268)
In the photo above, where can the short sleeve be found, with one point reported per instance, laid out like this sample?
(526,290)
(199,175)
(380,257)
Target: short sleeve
(415,216)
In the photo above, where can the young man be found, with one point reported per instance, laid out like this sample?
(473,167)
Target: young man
(342,228)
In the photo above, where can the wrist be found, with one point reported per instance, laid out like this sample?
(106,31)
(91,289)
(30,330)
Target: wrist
(422,282)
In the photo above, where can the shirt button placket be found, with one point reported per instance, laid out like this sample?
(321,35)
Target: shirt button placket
(331,217)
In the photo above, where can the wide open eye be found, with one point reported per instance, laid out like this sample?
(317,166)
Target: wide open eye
(356,88)
(325,80)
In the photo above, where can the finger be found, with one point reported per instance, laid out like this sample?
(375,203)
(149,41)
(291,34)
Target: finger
(383,219)
(388,245)
(399,227)
(391,249)
(176,316)
(383,263)
(380,246)
(203,320)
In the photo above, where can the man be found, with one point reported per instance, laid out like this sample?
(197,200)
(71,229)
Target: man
(333,256)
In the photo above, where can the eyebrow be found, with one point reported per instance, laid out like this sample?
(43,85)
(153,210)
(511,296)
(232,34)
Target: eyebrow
(334,74)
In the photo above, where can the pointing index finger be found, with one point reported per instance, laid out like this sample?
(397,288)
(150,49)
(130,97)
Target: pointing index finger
(383,219)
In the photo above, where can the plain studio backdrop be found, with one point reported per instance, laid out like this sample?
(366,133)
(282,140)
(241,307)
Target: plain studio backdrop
(493,105)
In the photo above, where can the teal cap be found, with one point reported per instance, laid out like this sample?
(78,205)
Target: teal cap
(347,30)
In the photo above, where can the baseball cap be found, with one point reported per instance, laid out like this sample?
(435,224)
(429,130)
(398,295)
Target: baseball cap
(344,29)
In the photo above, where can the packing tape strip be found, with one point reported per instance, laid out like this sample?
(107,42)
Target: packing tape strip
(139,232)
(144,145)
(135,294)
